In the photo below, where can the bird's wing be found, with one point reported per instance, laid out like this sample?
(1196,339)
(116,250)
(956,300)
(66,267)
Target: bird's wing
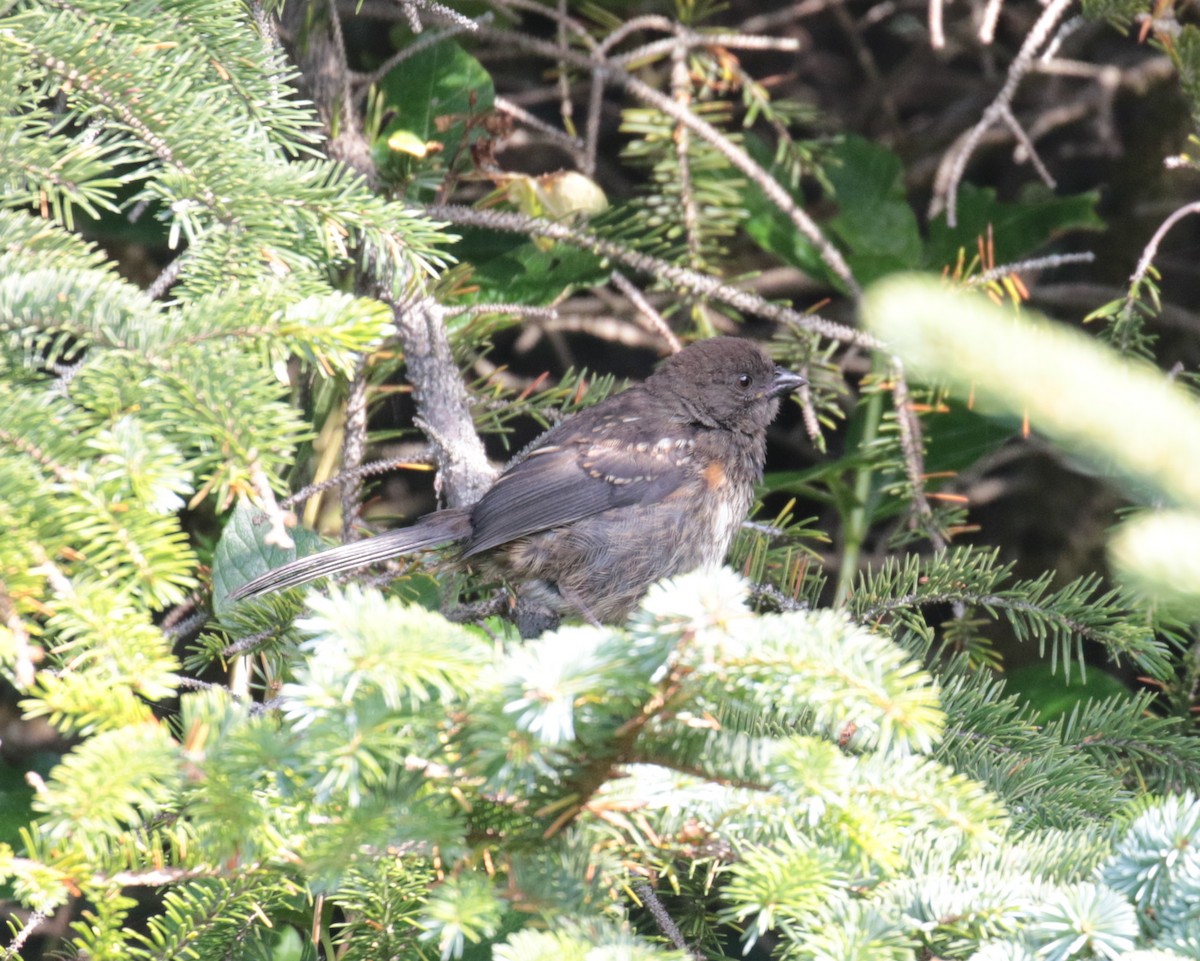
(563,482)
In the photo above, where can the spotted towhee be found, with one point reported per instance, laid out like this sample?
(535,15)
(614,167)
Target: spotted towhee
(649,483)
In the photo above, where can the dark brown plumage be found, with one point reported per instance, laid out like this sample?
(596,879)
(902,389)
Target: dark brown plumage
(649,483)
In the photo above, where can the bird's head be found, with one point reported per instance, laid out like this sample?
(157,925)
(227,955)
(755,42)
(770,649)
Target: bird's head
(724,382)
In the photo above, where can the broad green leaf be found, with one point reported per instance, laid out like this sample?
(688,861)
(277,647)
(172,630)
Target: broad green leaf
(1018,230)
(526,274)
(433,95)
(874,225)
(875,221)
(1054,695)
(242,554)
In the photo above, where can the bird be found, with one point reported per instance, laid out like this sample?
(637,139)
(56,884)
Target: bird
(651,482)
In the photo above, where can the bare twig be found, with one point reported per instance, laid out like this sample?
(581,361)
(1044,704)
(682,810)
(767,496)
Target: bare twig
(691,40)
(1151,249)
(566,107)
(654,320)
(696,282)
(743,162)
(681,90)
(1025,148)
(316,47)
(783,602)
(243,645)
(166,279)
(1060,36)
(937,29)
(736,156)
(442,403)
(765,22)
(591,133)
(515,310)
(651,21)
(556,14)
(368,469)
(1034,263)
(572,145)
(666,924)
(32,923)
(909,427)
(987,25)
(954,163)
(610,329)
(366,81)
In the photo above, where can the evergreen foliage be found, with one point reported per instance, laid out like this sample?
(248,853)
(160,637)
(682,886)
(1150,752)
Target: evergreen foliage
(836,770)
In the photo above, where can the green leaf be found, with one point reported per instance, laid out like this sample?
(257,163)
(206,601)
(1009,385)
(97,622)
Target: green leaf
(242,553)
(434,93)
(875,223)
(878,231)
(1017,229)
(1054,695)
(528,275)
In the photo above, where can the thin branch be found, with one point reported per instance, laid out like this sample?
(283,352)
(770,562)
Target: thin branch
(909,427)
(609,329)
(186,626)
(736,156)
(439,10)
(1060,37)
(566,106)
(572,145)
(354,445)
(248,643)
(443,405)
(937,28)
(591,132)
(696,282)
(666,924)
(316,46)
(158,877)
(1034,263)
(32,923)
(987,25)
(652,21)
(654,320)
(554,14)
(1025,148)
(681,90)
(1151,249)
(765,22)
(169,274)
(514,310)
(691,40)
(954,163)
(368,469)
(366,81)
(783,602)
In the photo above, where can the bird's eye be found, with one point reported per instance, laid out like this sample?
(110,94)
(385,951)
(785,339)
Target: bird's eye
(744,381)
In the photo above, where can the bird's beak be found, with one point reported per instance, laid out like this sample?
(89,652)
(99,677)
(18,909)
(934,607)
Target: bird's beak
(785,382)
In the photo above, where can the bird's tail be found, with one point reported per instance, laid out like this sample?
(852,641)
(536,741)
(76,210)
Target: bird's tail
(433,530)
